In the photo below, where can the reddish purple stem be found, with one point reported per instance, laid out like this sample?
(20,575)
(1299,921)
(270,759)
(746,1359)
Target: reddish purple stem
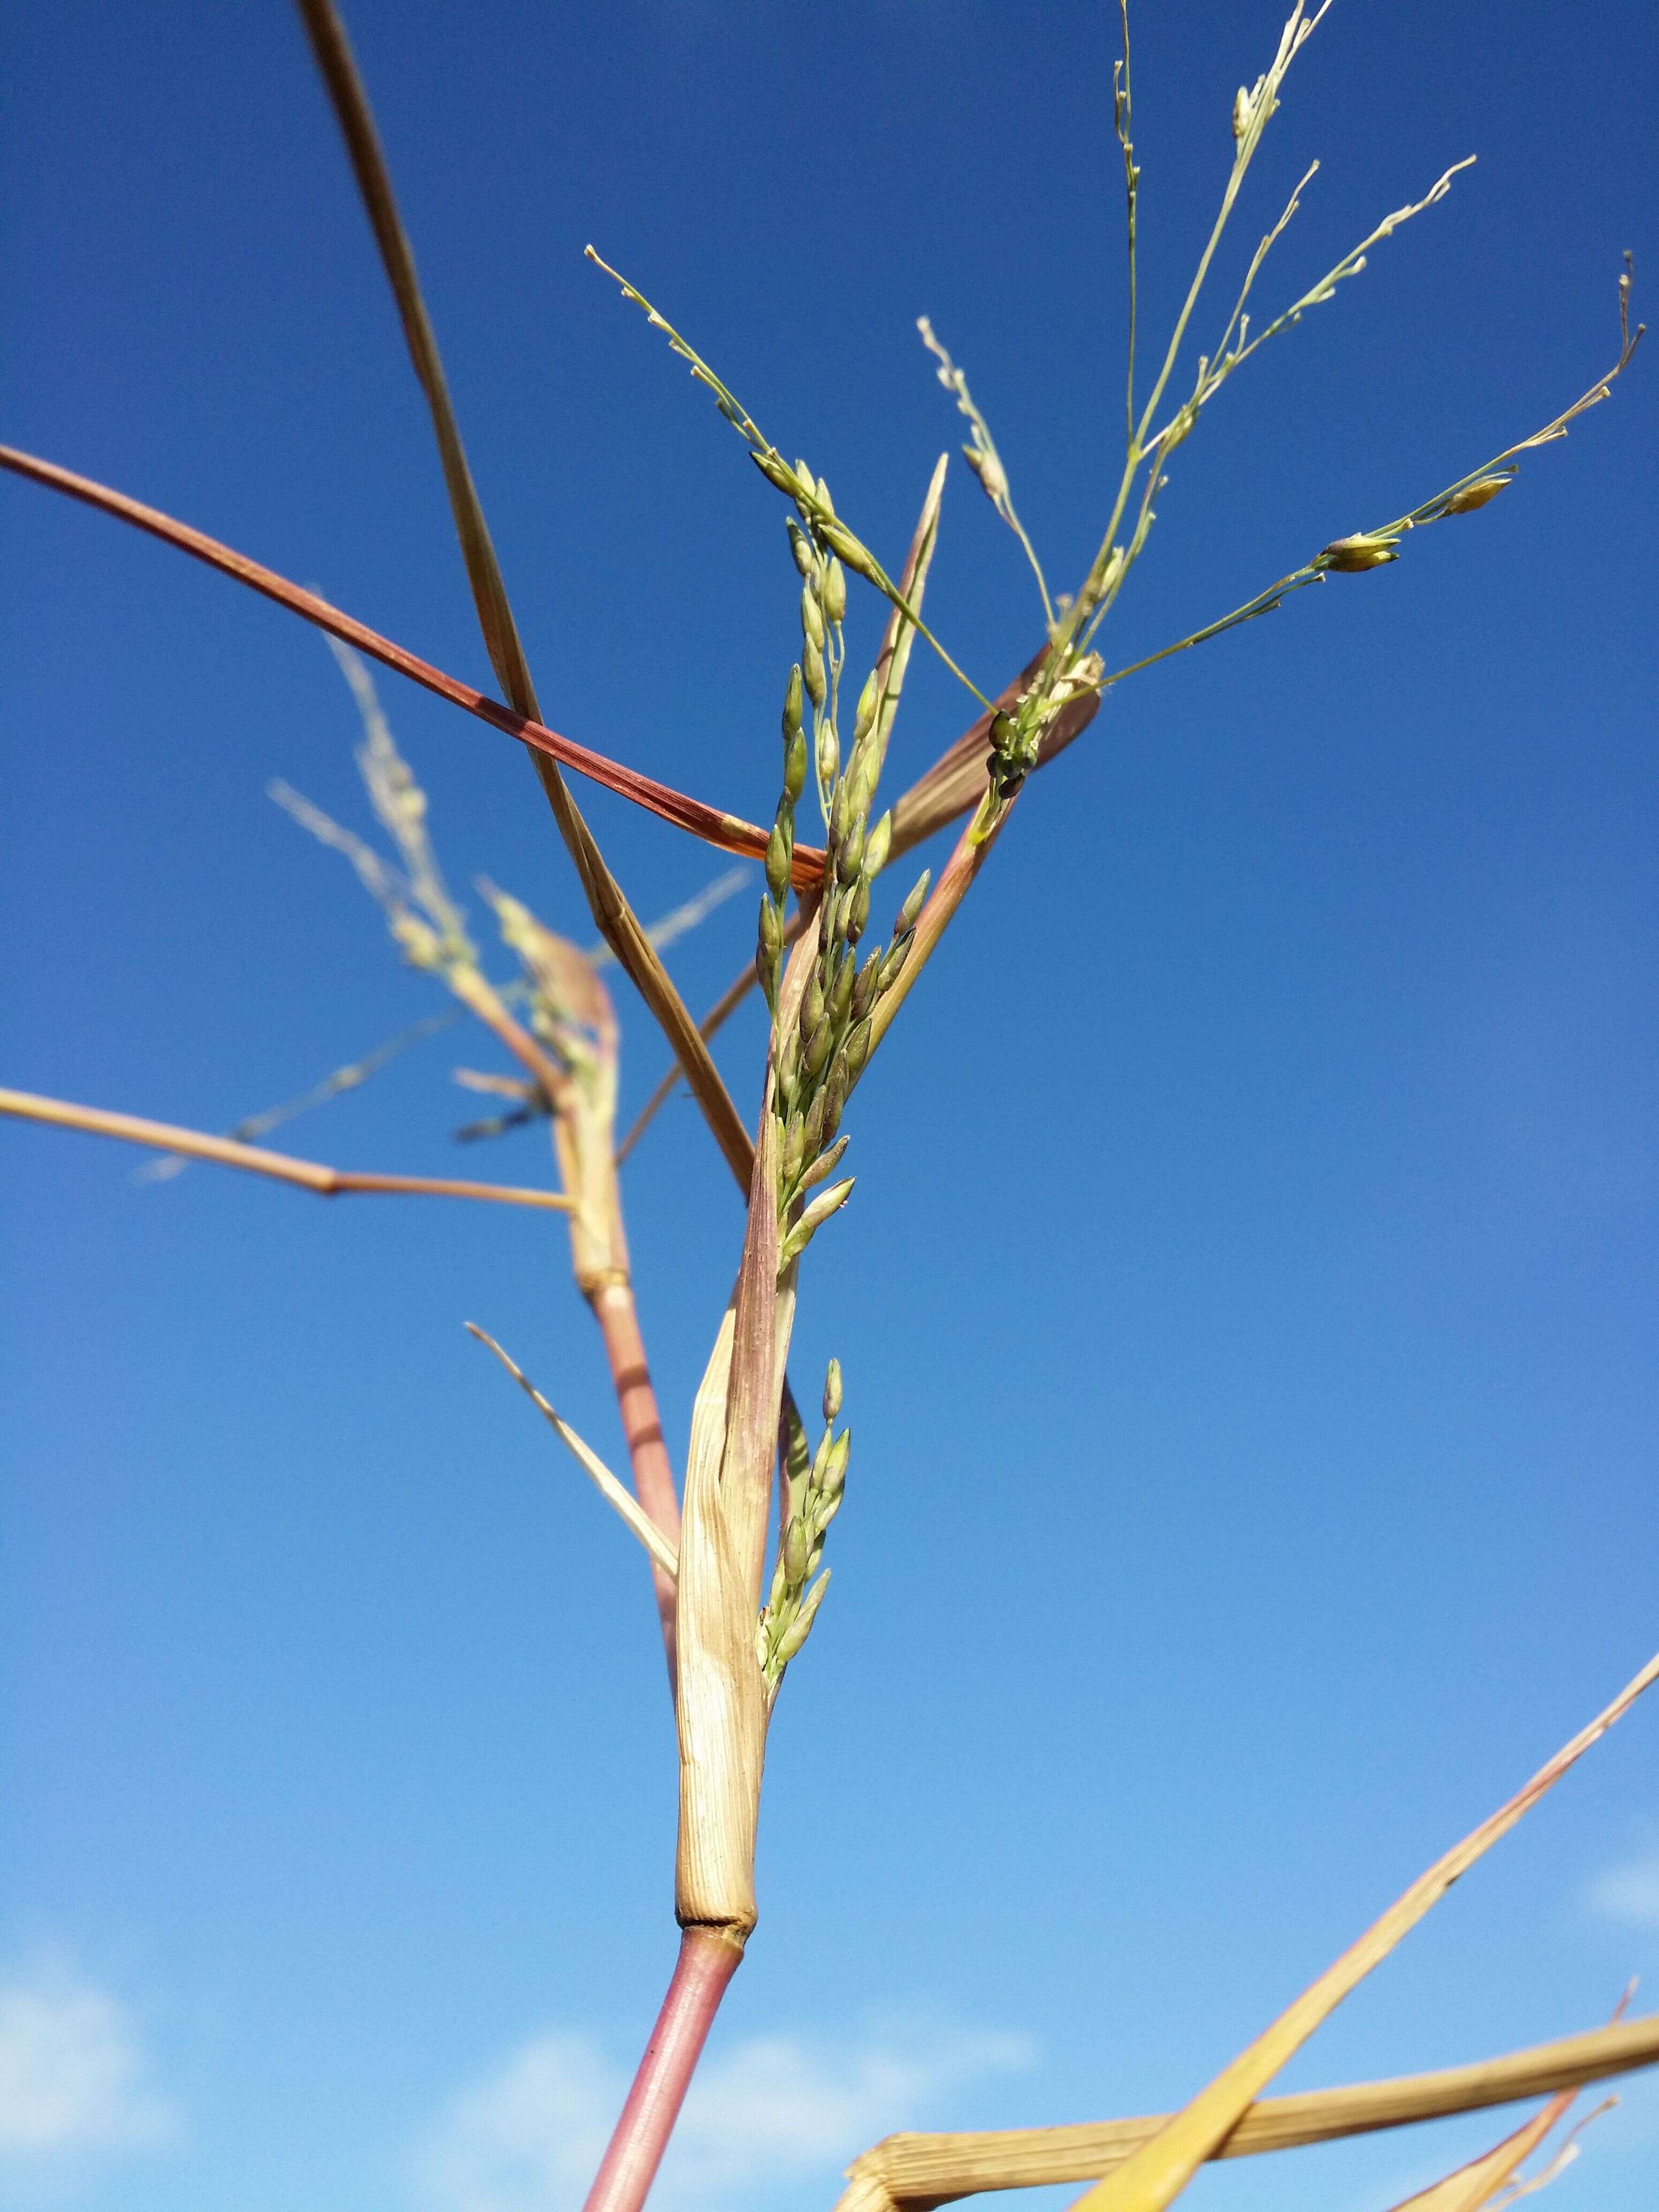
(705,1966)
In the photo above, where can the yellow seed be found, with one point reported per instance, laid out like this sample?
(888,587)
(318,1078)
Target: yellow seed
(1475,494)
(1350,556)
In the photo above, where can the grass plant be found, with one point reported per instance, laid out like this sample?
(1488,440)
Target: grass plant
(735,1607)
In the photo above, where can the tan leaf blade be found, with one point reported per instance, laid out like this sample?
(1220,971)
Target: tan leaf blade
(615,1494)
(916,2169)
(1557,2165)
(1479,2181)
(1160,2170)
(894,659)
(280,1167)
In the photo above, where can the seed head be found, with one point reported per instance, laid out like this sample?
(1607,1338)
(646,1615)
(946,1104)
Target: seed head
(832,1391)
(841,993)
(869,700)
(795,1147)
(835,1098)
(828,754)
(859,913)
(897,953)
(817,1048)
(776,471)
(857,557)
(864,991)
(1475,494)
(876,847)
(771,929)
(833,1480)
(420,945)
(825,1165)
(1350,556)
(989,471)
(792,717)
(828,1202)
(812,670)
(857,1050)
(912,907)
(811,615)
(794,765)
(796,1545)
(780,851)
(835,592)
(801,545)
(814,1128)
(801,1626)
(789,1070)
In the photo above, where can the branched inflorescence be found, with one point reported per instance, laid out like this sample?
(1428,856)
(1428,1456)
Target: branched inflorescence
(819,1055)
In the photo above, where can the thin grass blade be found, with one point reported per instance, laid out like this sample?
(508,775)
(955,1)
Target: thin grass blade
(280,1167)
(1479,2182)
(617,923)
(615,1494)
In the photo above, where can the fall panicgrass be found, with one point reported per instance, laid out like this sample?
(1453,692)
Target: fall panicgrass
(730,1631)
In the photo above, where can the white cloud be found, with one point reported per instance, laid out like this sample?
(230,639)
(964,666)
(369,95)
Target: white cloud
(772,2109)
(74,2078)
(1629,1893)
(531,2136)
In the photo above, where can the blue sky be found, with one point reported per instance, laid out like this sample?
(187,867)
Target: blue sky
(1246,1303)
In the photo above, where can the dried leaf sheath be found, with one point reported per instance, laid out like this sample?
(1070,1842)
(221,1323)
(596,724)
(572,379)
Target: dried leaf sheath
(720,1713)
(728,1482)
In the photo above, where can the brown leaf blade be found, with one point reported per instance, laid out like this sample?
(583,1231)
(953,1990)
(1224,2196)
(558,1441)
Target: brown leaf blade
(338,68)
(616,922)
(727,833)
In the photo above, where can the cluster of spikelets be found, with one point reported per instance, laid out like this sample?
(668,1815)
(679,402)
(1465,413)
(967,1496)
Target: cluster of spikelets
(814,1496)
(821,1055)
